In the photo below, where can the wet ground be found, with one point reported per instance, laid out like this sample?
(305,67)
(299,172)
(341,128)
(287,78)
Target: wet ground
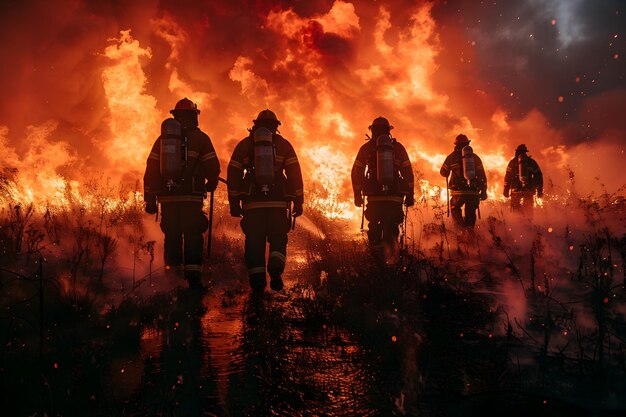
(353,348)
(234,353)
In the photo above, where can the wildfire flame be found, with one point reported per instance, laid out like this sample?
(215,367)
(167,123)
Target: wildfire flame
(330,168)
(326,75)
(134,116)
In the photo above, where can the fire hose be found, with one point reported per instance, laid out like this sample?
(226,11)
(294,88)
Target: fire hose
(210,234)
(404,226)
(448,196)
(362,212)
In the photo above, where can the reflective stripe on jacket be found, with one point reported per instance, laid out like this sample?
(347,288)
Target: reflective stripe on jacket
(511,178)
(288,186)
(362,170)
(202,165)
(453,167)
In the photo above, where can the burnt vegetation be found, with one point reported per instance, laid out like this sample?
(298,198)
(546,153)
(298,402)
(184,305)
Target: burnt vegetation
(457,323)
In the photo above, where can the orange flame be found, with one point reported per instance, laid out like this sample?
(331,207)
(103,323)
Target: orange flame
(134,117)
(327,77)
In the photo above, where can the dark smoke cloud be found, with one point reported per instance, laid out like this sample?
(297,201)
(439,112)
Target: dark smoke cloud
(53,48)
(47,50)
(525,61)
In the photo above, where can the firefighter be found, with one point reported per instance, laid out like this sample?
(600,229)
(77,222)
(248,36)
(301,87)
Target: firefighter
(264,179)
(467,184)
(522,181)
(382,173)
(181,168)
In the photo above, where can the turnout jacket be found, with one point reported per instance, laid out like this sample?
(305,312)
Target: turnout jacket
(287,185)
(453,166)
(364,174)
(202,164)
(535,176)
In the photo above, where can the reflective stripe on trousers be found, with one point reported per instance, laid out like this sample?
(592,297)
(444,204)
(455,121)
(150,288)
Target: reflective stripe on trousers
(183,225)
(471,203)
(263,225)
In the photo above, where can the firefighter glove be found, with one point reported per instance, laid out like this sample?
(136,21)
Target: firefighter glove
(483,194)
(539,193)
(235,209)
(297,208)
(358,199)
(506,192)
(211,185)
(409,200)
(151,207)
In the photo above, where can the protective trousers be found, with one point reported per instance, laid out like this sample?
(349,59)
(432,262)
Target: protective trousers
(183,224)
(471,203)
(383,218)
(263,225)
(522,201)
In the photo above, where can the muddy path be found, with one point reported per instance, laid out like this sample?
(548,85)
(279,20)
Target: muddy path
(342,339)
(234,353)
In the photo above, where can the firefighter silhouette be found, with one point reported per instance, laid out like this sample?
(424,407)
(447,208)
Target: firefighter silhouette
(181,168)
(382,173)
(523,179)
(467,183)
(264,179)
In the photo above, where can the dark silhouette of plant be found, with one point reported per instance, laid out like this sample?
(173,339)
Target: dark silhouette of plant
(106,246)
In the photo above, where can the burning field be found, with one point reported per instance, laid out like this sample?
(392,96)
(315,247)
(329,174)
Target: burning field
(526,315)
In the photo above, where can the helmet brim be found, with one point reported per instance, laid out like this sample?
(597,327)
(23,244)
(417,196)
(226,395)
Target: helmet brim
(172,112)
(273,120)
(387,126)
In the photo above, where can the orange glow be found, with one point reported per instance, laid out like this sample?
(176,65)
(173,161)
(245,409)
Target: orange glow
(329,168)
(134,116)
(327,75)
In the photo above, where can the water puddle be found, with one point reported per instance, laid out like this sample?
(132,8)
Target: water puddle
(233,353)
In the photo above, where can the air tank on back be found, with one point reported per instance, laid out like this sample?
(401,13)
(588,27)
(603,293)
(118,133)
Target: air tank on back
(522,170)
(469,168)
(171,153)
(263,157)
(384,161)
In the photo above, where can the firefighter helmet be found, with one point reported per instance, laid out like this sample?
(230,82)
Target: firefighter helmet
(461,140)
(380,122)
(185,104)
(521,149)
(267,114)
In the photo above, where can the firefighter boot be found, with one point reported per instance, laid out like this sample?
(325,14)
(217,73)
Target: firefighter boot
(257,281)
(276,282)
